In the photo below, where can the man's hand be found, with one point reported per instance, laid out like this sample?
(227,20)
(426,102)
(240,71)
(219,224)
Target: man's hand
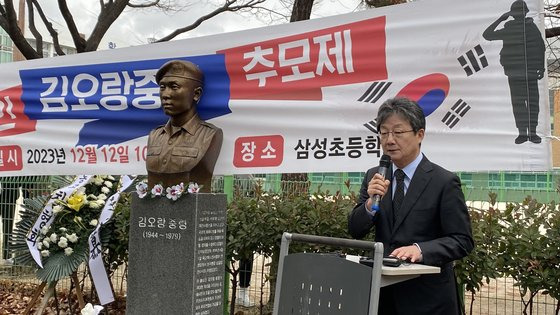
(411,253)
(377,186)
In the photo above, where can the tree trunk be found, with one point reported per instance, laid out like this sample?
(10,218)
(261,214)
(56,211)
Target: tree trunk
(301,10)
(234,274)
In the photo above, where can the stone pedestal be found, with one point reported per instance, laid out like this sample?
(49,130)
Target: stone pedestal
(176,255)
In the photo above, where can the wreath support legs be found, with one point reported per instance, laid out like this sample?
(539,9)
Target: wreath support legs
(79,293)
(50,293)
(36,295)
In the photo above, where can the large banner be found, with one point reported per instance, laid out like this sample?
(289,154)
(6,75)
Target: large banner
(299,97)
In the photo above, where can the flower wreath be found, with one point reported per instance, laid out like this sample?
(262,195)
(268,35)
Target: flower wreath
(63,245)
(172,193)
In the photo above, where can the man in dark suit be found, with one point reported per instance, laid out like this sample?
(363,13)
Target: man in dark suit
(422,215)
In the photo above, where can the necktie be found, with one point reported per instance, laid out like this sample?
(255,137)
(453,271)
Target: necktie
(399,193)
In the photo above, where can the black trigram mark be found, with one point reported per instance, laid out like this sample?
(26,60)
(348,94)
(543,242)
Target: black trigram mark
(458,110)
(375,91)
(371,125)
(474,63)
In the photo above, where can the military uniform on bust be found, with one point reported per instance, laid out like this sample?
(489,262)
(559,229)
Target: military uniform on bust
(186,148)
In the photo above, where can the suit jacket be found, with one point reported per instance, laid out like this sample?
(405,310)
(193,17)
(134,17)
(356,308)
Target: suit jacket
(433,215)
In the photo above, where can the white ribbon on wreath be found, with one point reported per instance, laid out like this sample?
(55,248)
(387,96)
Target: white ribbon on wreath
(96,266)
(47,215)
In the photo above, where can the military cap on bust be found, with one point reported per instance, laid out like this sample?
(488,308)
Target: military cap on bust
(180,69)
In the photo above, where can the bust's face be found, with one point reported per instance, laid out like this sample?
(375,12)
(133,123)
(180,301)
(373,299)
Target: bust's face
(179,95)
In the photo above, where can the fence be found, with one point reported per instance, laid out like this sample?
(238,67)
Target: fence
(500,296)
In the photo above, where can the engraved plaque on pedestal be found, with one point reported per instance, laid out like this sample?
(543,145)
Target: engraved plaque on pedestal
(176,255)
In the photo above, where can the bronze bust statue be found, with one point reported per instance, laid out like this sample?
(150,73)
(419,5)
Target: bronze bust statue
(186,148)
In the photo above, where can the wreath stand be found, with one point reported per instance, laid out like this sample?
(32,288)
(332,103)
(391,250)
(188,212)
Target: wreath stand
(51,292)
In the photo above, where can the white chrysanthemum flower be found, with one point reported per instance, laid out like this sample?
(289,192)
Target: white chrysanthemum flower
(276,197)
(97,180)
(46,243)
(108,184)
(90,309)
(53,237)
(39,245)
(105,190)
(81,190)
(62,243)
(68,251)
(329,198)
(45,253)
(100,202)
(110,177)
(56,209)
(93,204)
(92,197)
(45,230)
(102,197)
(73,238)
(93,222)
(312,197)
(346,197)
(62,229)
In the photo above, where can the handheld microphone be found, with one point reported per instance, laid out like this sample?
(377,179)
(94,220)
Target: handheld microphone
(384,164)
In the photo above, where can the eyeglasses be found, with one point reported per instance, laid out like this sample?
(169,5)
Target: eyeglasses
(396,133)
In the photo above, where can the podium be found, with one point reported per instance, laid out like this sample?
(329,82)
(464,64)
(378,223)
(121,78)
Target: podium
(318,283)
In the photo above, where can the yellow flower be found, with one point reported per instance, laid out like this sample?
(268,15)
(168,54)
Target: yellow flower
(76,201)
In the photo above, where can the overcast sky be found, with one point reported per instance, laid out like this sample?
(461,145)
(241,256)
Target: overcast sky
(135,26)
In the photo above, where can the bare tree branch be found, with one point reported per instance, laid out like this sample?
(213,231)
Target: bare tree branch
(50,29)
(79,42)
(144,5)
(110,11)
(3,20)
(552,32)
(301,10)
(9,23)
(33,29)
(229,6)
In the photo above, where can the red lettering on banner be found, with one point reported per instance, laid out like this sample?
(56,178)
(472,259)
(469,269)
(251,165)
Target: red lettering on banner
(258,151)
(11,158)
(298,66)
(12,119)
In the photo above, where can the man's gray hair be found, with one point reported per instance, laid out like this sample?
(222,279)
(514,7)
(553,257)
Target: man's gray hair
(407,109)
